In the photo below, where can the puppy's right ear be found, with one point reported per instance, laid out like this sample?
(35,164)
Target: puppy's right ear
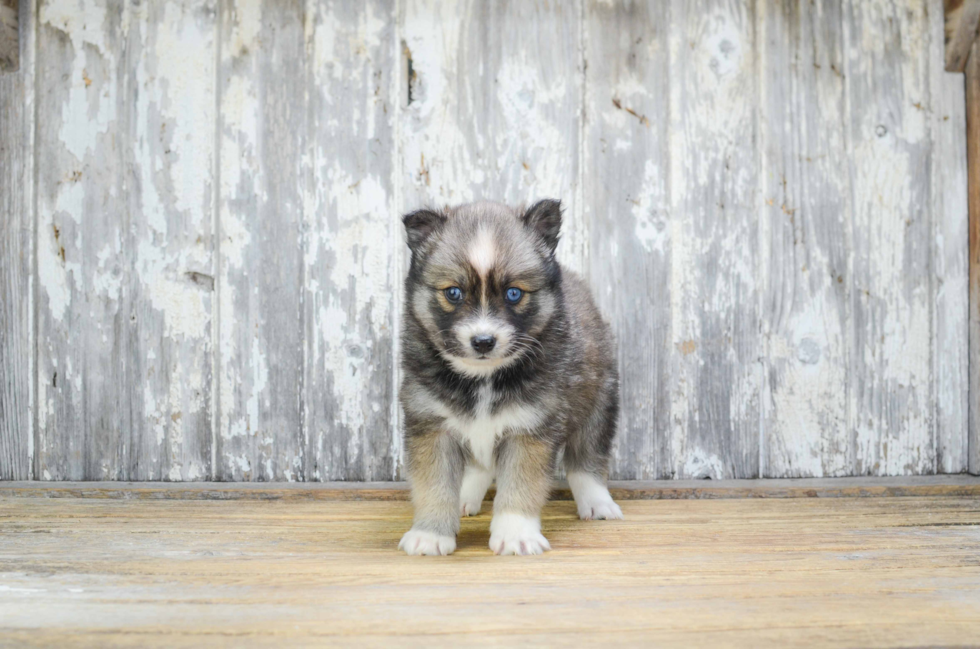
(420,225)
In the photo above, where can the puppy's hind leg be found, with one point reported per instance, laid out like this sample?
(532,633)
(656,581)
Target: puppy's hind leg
(587,464)
(592,497)
(476,481)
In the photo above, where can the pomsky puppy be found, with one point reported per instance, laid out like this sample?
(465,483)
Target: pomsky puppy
(506,362)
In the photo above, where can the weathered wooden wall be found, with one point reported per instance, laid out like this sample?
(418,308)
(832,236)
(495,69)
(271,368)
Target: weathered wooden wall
(202,251)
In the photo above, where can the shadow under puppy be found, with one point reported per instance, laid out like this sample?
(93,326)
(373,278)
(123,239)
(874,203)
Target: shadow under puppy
(506,360)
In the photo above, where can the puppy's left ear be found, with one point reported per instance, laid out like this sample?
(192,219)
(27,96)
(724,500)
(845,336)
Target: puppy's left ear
(420,225)
(544,218)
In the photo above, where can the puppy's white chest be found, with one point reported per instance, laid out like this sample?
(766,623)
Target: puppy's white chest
(482,431)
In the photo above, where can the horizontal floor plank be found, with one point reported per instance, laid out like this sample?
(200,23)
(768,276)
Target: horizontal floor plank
(869,572)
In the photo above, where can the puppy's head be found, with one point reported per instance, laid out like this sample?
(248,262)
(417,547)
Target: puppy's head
(484,280)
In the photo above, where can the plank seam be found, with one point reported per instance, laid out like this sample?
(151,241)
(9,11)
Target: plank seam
(216,245)
(850,429)
(34,374)
(398,262)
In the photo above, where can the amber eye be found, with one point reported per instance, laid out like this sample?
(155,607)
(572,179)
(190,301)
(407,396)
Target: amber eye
(454,294)
(513,295)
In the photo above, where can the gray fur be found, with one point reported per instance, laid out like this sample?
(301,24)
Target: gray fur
(550,383)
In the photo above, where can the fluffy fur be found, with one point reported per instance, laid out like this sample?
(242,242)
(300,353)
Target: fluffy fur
(474,414)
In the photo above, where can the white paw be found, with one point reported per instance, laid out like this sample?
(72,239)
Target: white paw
(423,542)
(470,509)
(598,511)
(592,497)
(517,534)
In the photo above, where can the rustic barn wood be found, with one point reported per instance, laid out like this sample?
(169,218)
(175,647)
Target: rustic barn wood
(861,487)
(950,254)
(768,199)
(841,572)
(624,190)
(351,243)
(307,242)
(890,418)
(10,36)
(717,369)
(805,196)
(16,263)
(125,140)
(973,161)
(961,24)
(262,120)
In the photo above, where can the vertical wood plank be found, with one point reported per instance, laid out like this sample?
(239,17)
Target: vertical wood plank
(625,200)
(973,167)
(804,190)
(950,254)
(887,85)
(10,30)
(714,295)
(124,242)
(263,104)
(494,108)
(352,231)
(17,260)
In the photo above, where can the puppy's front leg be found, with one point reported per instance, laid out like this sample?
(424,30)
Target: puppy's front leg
(525,465)
(435,468)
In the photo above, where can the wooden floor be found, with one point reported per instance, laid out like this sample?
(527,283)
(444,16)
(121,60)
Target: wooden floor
(855,572)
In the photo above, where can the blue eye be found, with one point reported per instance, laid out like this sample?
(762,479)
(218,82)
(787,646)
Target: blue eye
(454,294)
(513,295)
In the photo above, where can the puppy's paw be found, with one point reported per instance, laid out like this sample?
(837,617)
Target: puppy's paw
(592,497)
(517,534)
(599,510)
(470,508)
(423,542)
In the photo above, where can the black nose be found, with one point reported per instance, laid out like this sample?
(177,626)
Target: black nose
(483,344)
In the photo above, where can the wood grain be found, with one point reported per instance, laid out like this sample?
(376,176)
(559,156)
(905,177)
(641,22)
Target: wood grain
(962,20)
(10,30)
(889,401)
(17,263)
(767,198)
(494,118)
(263,191)
(842,572)
(973,162)
(714,293)
(805,247)
(124,240)
(863,487)
(625,194)
(950,259)
(351,235)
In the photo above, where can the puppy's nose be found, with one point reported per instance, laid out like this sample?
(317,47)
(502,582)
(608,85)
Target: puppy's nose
(483,343)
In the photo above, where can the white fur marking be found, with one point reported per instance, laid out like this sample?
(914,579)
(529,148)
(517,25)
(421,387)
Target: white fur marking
(483,252)
(592,497)
(476,481)
(483,430)
(423,542)
(517,534)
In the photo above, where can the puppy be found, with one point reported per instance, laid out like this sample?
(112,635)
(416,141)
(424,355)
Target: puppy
(506,362)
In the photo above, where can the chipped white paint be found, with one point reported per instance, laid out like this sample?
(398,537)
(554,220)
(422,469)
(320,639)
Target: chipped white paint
(124,224)
(768,199)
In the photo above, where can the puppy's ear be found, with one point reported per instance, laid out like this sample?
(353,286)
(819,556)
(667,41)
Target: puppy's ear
(544,218)
(420,225)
